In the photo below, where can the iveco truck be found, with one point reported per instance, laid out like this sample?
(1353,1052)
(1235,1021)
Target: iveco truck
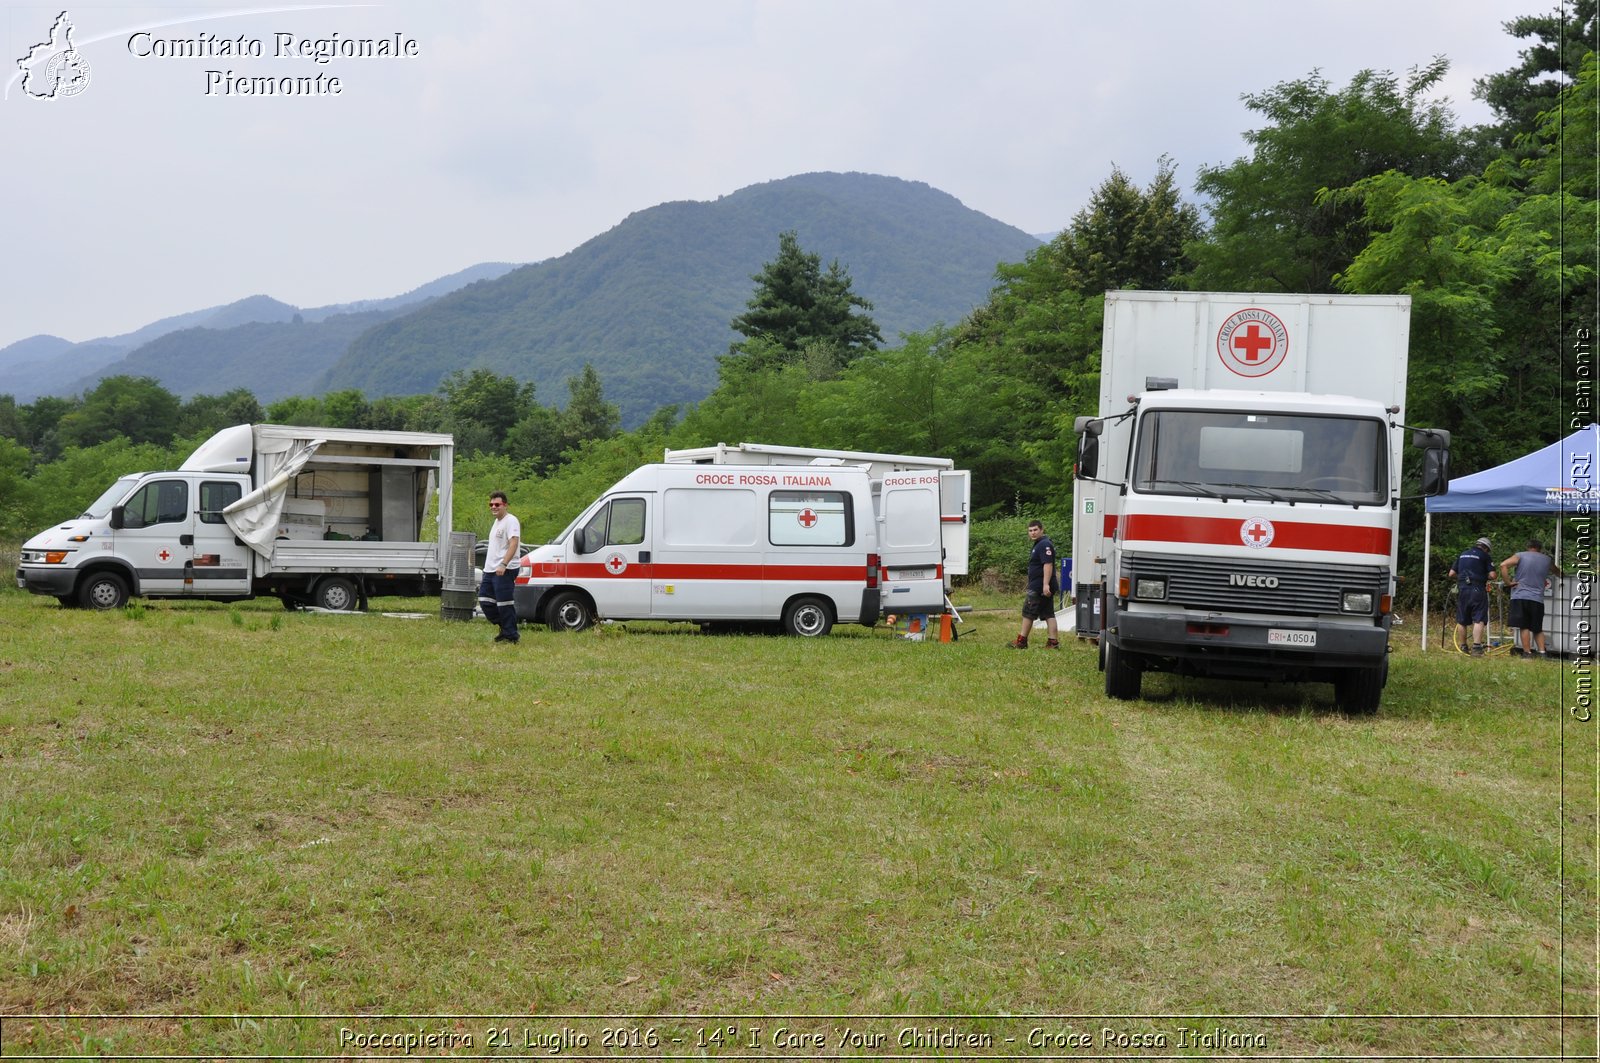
(1236,501)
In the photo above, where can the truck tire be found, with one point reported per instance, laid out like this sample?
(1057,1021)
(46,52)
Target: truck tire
(1359,691)
(569,611)
(103,590)
(1123,677)
(336,594)
(808,618)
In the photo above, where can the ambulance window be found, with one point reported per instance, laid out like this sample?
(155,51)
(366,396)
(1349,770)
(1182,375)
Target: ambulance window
(214,498)
(619,522)
(161,502)
(627,522)
(810,518)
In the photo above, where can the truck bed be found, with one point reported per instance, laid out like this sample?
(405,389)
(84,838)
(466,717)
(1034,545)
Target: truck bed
(352,556)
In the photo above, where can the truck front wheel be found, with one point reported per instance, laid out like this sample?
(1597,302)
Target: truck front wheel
(103,590)
(336,594)
(1123,677)
(1359,690)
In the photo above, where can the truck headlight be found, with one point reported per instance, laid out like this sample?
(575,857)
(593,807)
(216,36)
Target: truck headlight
(1356,601)
(1150,588)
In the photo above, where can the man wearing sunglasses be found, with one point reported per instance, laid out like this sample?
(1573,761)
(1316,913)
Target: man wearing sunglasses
(495,592)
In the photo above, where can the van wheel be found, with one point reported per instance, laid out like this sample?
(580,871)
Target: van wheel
(336,594)
(807,617)
(568,611)
(1123,677)
(103,590)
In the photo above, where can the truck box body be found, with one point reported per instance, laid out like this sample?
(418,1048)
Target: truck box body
(714,537)
(320,516)
(1243,517)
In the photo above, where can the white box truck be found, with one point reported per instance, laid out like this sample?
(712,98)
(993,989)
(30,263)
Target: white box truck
(1236,500)
(753,533)
(313,516)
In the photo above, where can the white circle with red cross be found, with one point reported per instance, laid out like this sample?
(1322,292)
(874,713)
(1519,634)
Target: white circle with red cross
(1253,342)
(164,555)
(1256,533)
(807,518)
(616,564)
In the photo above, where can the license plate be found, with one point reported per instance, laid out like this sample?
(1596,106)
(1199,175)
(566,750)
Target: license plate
(1281,637)
(911,573)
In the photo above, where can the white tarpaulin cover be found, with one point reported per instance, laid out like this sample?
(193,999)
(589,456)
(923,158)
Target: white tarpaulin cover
(256,516)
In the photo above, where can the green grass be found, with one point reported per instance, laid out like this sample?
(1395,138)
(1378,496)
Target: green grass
(234,809)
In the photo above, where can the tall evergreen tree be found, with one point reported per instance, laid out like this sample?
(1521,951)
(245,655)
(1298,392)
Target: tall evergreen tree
(796,305)
(1551,62)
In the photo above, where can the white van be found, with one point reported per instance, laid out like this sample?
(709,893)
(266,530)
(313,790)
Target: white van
(803,545)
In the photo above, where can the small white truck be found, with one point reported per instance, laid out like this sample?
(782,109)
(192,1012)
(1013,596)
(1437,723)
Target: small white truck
(1236,501)
(313,516)
(757,534)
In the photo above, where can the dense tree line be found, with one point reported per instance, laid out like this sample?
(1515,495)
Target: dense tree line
(1373,187)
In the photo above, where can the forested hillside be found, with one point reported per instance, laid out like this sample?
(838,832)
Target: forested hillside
(648,303)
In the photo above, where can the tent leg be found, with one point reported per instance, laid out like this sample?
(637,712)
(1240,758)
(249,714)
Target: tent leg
(1427,558)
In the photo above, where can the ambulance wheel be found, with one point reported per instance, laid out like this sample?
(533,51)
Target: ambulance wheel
(103,590)
(807,617)
(336,594)
(1123,677)
(568,611)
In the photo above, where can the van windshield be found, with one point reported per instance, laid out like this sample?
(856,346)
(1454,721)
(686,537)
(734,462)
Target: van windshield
(1285,457)
(101,507)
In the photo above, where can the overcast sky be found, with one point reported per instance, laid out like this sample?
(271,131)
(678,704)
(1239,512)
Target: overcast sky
(521,128)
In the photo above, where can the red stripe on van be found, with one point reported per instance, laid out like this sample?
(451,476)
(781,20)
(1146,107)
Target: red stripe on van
(1287,535)
(681,572)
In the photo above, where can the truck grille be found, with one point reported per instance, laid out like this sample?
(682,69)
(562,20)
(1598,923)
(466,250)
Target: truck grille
(1204,583)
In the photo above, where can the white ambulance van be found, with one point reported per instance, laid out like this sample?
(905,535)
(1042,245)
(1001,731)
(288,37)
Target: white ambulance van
(698,540)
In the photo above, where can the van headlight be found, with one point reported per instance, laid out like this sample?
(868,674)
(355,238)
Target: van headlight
(1150,588)
(1356,601)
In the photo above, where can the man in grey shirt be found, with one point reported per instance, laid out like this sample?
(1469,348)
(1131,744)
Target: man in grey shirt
(1527,596)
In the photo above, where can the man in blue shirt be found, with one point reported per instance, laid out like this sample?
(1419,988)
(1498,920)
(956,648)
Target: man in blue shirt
(1039,604)
(1471,573)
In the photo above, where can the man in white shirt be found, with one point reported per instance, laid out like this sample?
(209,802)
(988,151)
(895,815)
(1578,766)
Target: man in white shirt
(495,592)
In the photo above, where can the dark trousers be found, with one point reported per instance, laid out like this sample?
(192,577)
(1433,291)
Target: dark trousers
(495,594)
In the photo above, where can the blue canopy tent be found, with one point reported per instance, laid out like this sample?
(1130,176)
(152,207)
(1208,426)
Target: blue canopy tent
(1553,479)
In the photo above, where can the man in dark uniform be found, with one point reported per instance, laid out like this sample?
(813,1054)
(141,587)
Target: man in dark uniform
(1039,604)
(1471,573)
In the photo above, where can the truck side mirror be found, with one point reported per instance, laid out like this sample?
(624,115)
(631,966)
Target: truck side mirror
(1088,464)
(1435,472)
(1435,444)
(116,517)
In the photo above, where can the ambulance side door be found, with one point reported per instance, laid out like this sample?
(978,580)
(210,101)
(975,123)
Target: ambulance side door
(612,551)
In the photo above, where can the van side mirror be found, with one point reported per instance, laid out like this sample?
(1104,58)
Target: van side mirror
(116,517)
(1088,463)
(580,540)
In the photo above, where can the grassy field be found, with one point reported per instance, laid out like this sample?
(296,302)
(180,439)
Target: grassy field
(295,819)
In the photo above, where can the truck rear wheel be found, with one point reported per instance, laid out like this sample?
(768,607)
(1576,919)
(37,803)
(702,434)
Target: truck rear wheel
(568,611)
(1123,677)
(1359,690)
(808,617)
(336,594)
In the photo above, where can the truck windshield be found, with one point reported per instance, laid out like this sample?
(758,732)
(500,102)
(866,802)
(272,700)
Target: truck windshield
(101,507)
(1287,457)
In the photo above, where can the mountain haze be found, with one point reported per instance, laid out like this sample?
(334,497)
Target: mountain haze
(648,302)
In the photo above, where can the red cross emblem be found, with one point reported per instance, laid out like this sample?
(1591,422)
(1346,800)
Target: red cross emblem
(1253,342)
(807,518)
(164,555)
(615,564)
(1256,533)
